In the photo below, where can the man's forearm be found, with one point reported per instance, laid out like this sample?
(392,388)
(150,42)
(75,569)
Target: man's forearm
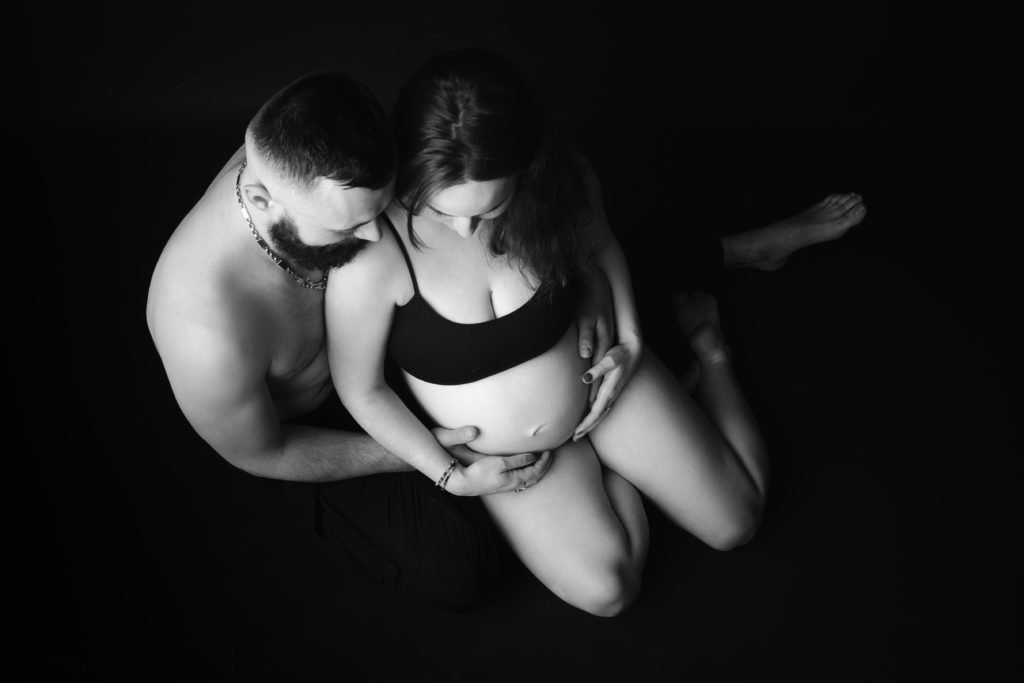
(316,454)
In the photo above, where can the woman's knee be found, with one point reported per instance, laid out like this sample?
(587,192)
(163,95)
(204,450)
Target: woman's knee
(608,591)
(737,529)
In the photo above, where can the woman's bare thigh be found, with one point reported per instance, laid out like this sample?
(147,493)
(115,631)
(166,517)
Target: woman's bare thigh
(563,528)
(660,440)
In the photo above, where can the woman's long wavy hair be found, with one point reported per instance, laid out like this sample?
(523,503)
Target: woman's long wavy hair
(470,115)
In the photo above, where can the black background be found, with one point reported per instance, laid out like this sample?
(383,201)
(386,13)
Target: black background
(878,364)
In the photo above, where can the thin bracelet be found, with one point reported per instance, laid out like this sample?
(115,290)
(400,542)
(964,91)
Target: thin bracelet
(442,481)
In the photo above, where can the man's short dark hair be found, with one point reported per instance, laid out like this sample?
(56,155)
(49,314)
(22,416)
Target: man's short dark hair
(325,125)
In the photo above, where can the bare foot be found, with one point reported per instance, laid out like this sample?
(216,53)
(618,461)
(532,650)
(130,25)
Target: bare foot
(768,248)
(697,315)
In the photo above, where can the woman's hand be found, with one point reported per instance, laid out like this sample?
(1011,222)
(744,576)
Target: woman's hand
(481,474)
(612,372)
(595,320)
(497,473)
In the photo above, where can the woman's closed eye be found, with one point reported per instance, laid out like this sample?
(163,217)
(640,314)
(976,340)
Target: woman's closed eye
(493,213)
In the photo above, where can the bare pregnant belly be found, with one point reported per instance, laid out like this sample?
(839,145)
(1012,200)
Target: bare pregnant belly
(532,407)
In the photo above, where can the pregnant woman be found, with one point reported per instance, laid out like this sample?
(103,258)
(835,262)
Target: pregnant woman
(471,289)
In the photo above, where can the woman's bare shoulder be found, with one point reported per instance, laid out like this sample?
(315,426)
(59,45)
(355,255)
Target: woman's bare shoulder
(378,270)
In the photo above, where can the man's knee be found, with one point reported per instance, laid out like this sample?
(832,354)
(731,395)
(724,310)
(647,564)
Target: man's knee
(395,532)
(460,566)
(458,583)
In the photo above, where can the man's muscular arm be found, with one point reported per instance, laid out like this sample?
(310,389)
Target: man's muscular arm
(221,389)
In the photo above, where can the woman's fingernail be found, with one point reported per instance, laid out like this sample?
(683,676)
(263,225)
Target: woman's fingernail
(587,378)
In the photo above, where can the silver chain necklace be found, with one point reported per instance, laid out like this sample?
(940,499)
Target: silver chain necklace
(281,263)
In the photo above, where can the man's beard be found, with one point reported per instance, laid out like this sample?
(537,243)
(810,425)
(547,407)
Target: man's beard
(286,239)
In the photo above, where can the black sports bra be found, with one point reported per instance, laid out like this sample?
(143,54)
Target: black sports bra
(440,351)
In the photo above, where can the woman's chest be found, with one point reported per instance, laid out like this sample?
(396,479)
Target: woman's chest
(470,286)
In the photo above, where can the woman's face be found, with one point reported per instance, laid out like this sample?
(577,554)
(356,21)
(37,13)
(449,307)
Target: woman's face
(462,207)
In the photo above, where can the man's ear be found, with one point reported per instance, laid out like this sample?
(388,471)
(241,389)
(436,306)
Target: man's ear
(257,195)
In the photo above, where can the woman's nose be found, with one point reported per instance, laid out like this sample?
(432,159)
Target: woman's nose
(369,232)
(464,226)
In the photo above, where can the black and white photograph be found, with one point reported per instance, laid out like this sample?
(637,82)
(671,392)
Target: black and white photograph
(507,341)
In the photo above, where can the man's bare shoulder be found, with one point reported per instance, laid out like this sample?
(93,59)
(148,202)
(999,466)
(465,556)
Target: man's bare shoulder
(199,284)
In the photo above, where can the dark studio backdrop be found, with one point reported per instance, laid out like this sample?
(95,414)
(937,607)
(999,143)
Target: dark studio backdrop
(876,364)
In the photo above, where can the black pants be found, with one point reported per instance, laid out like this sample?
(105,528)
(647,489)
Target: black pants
(400,530)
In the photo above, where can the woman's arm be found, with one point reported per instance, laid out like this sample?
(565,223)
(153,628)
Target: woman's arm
(615,368)
(359,305)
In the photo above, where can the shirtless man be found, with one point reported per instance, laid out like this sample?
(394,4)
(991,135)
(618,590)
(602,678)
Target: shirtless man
(235,310)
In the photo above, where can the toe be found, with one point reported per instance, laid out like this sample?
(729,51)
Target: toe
(855,212)
(847,201)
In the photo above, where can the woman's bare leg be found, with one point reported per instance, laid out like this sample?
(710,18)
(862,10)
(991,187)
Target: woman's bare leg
(580,530)
(704,466)
(717,390)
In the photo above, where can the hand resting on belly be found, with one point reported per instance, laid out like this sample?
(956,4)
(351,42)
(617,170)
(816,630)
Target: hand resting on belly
(531,407)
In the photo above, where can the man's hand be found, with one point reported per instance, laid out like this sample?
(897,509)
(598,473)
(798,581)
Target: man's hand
(454,440)
(595,319)
(486,474)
